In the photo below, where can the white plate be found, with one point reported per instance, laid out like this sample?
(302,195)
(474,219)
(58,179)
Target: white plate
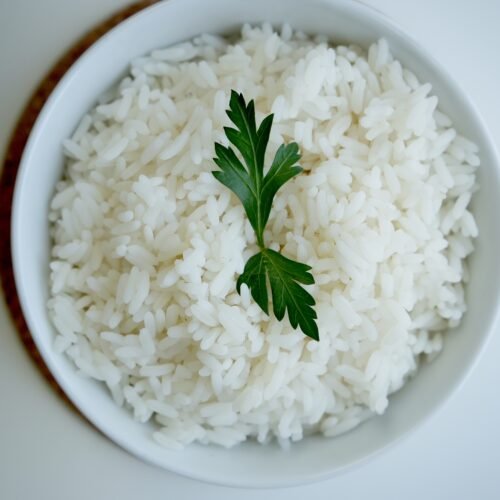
(250,464)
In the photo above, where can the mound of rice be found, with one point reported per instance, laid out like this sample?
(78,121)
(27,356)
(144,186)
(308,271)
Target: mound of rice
(148,245)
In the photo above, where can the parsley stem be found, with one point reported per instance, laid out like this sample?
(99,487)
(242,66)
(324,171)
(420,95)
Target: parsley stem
(260,242)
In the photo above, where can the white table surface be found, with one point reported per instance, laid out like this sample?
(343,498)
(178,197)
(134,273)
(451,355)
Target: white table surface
(48,452)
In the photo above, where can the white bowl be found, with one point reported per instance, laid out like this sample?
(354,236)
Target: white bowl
(249,465)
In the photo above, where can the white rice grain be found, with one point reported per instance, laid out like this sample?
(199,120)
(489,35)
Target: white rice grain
(147,245)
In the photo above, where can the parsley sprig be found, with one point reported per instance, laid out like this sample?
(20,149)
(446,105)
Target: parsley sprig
(256,192)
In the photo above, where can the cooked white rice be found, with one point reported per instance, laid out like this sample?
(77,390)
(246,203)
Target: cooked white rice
(148,245)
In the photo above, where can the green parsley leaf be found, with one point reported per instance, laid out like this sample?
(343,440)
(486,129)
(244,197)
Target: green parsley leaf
(254,276)
(284,276)
(256,192)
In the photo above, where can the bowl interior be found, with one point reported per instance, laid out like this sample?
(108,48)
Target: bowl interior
(249,464)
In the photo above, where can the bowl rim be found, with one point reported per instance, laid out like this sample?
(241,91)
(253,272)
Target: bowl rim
(355,6)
